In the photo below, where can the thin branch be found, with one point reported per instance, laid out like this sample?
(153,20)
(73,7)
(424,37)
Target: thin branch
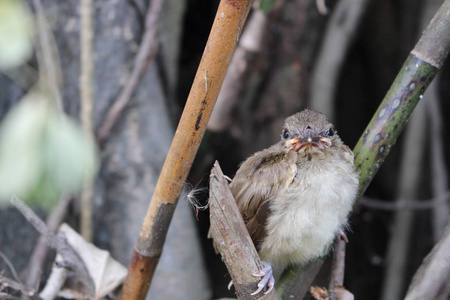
(439,171)
(55,281)
(431,279)
(34,267)
(87,103)
(225,32)
(16,286)
(402,204)
(337,268)
(10,266)
(237,75)
(143,59)
(340,32)
(59,243)
(48,57)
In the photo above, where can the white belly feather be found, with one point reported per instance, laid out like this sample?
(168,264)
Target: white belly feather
(305,221)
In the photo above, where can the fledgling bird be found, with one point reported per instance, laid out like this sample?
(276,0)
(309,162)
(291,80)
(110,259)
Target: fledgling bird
(295,196)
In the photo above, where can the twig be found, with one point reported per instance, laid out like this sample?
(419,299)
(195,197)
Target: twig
(402,204)
(55,281)
(37,259)
(245,54)
(143,59)
(10,266)
(337,268)
(439,171)
(431,279)
(225,32)
(86,112)
(49,70)
(410,177)
(232,238)
(59,243)
(340,32)
(17,286)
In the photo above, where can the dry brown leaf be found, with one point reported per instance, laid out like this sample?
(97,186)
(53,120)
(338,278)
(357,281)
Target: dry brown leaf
(106,272)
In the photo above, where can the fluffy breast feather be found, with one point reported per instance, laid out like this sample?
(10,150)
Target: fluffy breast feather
(304,220)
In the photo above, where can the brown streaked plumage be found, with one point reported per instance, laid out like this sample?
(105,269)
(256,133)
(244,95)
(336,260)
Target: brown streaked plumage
(295,196)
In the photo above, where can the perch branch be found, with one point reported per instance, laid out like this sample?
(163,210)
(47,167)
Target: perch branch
(143,59)
(232,238)
(225,32)
(337,268)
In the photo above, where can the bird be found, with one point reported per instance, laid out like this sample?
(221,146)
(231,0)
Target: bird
(295,196)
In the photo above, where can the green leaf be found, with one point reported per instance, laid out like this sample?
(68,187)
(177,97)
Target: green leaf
(43,154)
(21,135)
(70,155)
(15,33)
(266,5)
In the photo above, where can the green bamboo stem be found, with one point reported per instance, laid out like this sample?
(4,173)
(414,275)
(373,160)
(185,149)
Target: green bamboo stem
(419,69)
(391,117)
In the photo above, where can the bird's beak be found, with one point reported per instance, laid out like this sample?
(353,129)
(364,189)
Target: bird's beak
(295,144)
(308,138)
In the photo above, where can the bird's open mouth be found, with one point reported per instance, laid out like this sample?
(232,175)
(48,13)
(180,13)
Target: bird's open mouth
(300,143)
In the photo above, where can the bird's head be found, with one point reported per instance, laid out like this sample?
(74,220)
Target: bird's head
(308,131)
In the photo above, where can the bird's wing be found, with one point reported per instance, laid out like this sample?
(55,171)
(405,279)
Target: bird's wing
(258,181)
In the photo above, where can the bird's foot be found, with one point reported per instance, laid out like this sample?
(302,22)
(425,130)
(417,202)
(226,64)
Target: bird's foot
(343,236)
(267,278)
(230,285)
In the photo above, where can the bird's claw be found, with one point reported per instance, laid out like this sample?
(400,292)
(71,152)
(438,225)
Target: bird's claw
(267,279)
(230,285)
(343,236)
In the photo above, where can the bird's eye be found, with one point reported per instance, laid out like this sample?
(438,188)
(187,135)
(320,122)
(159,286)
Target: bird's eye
(286,134)
(330,131)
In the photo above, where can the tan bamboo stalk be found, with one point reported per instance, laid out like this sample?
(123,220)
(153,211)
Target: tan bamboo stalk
(225,32)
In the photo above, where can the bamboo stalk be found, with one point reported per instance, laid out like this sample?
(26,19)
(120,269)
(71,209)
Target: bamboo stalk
(225,32)
(414,77)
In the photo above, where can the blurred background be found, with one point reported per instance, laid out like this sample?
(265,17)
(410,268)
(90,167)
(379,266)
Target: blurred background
(336,57)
